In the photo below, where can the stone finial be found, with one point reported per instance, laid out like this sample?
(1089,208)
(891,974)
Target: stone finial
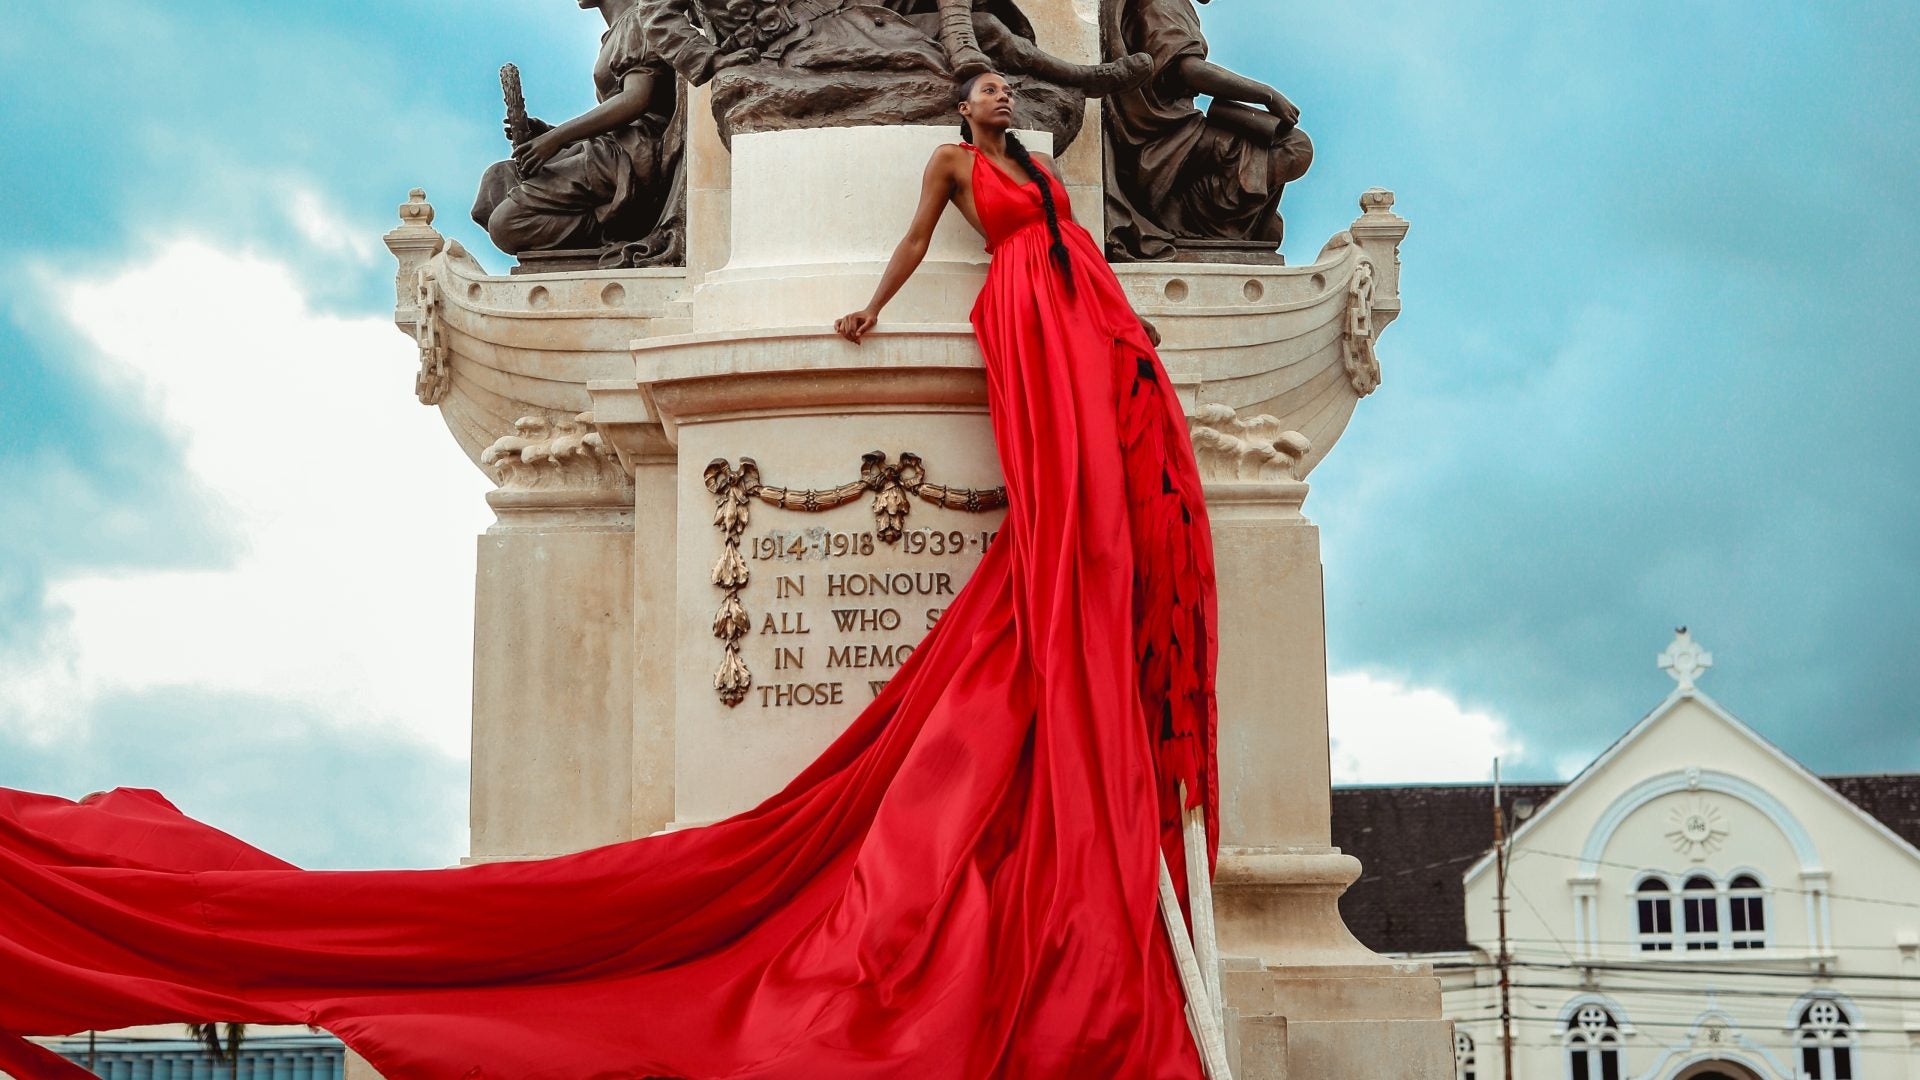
(418,211)
(1378,232)
(1227,447)
(1685,660)
(413,242)
(1376,201)
(415,231)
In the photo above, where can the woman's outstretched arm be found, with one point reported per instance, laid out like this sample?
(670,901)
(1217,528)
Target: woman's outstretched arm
(937,186)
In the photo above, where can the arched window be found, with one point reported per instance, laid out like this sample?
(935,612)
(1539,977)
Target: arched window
(1654,912)
(1593,1045)
(1700,914)
(1747,913)
(1462,1055)
(1826,1042)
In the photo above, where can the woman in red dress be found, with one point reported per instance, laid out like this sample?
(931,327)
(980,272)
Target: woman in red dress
(963,885)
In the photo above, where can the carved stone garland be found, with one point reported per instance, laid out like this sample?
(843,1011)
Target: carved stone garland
(734,489)
(1363,365)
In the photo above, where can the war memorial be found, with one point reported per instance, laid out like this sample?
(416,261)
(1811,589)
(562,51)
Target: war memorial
(720,526)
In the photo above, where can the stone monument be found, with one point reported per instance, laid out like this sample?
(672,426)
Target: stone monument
(721,527)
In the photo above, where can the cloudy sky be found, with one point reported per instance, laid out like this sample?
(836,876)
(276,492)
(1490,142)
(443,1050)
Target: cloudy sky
(1656,367)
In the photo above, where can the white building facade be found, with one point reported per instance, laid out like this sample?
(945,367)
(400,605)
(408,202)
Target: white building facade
(1695,905)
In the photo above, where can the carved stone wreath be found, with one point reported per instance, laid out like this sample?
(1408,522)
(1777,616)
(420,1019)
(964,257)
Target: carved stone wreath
(734,489)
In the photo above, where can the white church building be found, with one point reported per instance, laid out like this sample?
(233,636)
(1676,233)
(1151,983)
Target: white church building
(1694,905)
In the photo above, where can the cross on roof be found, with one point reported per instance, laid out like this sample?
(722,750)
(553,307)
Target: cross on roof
(1685,660)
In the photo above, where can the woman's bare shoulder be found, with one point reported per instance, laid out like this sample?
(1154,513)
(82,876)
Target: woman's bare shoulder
(949,160)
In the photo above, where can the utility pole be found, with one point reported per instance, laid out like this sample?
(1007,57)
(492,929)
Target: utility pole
(1505,958)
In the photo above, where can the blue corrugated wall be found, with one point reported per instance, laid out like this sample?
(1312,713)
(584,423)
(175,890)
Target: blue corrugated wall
(276,1058)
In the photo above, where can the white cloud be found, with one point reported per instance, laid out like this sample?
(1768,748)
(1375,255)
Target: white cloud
(353,589)
(327,230)
(1386,732)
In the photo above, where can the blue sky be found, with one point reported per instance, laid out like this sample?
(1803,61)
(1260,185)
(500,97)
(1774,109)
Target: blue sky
(1656,367)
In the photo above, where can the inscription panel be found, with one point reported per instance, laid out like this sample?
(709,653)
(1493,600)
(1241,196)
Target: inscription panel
(835,612)
(809,571)
(859,598)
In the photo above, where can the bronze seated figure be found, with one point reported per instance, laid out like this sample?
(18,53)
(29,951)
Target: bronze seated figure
(1182,183)
(611,180)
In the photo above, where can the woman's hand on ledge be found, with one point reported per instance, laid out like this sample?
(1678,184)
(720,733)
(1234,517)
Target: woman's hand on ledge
(854,326)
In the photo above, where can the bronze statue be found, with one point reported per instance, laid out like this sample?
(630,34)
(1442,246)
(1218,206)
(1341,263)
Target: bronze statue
(968,25)
(961,38)
(1182,183)
(610,178)
(853,62)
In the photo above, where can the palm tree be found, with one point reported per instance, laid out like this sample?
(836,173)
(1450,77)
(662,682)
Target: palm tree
(209,1034)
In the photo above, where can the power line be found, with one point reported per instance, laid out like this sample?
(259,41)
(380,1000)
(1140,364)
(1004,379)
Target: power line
(1702,969)
(1517,891)
(1636,942)
(1722,992)
(1716,991)
(1688,969)
(1881,900)
(1477,855)
(1404,871)
(1856,1045)
(1502,850)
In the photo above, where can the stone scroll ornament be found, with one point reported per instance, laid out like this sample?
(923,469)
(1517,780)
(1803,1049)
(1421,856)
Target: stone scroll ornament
(735,489)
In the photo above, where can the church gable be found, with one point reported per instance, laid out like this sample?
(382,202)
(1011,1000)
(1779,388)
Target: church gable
(1684,774)
(1688,796)
(1685,835)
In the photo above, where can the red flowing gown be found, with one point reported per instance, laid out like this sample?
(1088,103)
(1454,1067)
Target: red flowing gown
(963,885)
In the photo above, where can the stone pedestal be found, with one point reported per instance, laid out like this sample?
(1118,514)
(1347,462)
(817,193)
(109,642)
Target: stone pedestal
(552,721)
(1289,963)
(721,527)
(553,647)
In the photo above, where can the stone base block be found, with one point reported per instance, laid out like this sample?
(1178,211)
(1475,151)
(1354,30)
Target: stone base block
(1382,1049)
(1256,1046)
(1347,1012)
(552,681)
(1335,1022)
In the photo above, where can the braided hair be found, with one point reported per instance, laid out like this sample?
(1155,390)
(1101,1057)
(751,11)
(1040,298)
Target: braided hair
(1024,158)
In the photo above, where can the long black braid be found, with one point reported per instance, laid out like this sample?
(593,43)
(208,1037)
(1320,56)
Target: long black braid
(1024,158)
